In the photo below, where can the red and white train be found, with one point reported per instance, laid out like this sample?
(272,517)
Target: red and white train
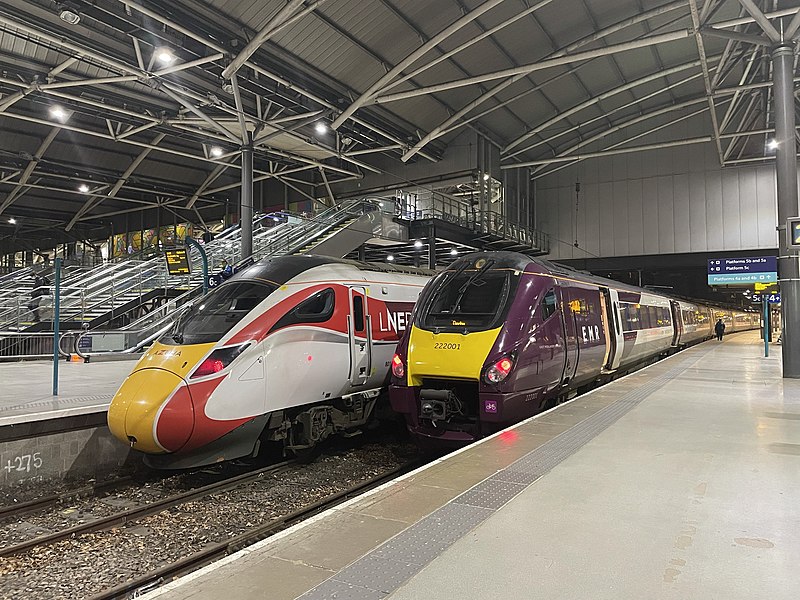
(292,350)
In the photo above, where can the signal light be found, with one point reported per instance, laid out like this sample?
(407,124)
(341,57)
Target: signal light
(499,370)
(217,361)
(398,368)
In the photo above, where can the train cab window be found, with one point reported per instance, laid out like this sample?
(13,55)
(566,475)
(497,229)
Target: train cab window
(472,300)
(316,309)
(216,314)
(358,313)
(548,305)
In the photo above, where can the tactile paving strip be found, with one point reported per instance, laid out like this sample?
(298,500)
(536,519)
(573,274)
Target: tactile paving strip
(60,400)
(387,567)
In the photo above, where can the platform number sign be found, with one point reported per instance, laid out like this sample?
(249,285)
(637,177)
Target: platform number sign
(793,229)
(177,261)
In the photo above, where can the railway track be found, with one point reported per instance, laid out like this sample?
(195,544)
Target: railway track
(218,550)
(128,515)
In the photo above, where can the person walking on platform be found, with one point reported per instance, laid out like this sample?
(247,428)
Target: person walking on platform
(719,329)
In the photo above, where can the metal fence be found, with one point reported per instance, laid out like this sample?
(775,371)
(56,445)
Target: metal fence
(16,345)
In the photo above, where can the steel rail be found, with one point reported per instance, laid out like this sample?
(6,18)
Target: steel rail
(215,551)
(152,508)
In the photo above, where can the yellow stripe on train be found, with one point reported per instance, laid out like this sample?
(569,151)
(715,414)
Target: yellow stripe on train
(448,355)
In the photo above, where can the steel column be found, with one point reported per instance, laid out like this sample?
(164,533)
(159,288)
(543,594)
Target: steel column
(786,171)
(246,209)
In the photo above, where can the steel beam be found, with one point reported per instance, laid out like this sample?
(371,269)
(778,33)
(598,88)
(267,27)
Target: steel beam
(747,38)
(246,204)
(538,66)
(26,174)
(457,120)
(550,161)
(591,102)
(762,20)
(786,171)
(262,36)
(417,54)
(701,49)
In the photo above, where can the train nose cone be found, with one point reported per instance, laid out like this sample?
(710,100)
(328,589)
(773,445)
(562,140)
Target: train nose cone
(152,412)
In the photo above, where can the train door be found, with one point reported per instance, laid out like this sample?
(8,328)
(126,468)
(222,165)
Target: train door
(609,302)
(677,323)
(359,333)
(570,328)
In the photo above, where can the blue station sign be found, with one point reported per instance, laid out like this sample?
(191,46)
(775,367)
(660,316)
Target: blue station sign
(742,271)
(773,298)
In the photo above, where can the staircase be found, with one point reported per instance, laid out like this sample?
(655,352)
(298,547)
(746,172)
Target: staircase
(123,291)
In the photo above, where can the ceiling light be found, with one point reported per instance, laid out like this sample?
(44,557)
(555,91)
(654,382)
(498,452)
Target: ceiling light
(486,176)
(772,144)
(164,55)
(83,188)
(69,16)
(216,151)
(58,113)
(321,127)
(453,252)
(13,221)
(227,88)
(390,257)
(418,244)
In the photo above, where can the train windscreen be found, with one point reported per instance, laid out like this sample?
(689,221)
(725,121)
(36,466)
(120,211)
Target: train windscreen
(473,300)
(215,315)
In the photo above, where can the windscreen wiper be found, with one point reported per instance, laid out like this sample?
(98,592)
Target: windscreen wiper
(471,280)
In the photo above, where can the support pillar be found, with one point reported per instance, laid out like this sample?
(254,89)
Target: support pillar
(786,171)
(432,247)
(246,208)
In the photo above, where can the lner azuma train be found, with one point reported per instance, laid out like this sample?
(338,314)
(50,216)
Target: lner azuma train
(291,350)
(499,337)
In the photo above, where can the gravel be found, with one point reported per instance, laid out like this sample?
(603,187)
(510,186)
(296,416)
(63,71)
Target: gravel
(90,563)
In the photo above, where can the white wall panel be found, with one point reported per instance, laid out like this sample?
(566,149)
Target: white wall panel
(681,208)
(666,215)
(657,202)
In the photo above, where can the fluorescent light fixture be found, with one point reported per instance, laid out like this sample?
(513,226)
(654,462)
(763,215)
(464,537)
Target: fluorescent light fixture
(58,113)
(772,144)
(165,56)
(13,221)
(418,244)
(390,258)
(83,188)
(453,252)
(321,127)
(70,16)
(216,151)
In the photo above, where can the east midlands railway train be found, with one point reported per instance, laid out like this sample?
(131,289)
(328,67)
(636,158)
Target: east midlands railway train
(290,350)
(499,337)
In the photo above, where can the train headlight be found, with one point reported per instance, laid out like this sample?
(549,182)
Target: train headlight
(218,360)
(499,370)
(398,368)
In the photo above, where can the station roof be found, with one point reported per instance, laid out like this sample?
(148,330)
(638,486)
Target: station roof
(114,107)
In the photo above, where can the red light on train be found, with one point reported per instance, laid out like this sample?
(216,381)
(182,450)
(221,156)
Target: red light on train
(499,370)
(217,360)
(208,367)
(398,368)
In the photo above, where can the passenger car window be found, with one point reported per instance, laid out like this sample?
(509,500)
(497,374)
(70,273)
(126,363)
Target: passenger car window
(548,305)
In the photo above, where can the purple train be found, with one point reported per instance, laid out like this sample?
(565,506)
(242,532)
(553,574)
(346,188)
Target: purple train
(500,336)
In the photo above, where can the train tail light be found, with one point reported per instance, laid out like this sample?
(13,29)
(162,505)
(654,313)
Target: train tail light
(218,360)
(398,368)
(499,370)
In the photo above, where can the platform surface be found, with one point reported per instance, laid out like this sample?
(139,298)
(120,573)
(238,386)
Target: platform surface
(26,389)
(679,481)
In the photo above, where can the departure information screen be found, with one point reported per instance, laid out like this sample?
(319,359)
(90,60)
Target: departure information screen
(177,261)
